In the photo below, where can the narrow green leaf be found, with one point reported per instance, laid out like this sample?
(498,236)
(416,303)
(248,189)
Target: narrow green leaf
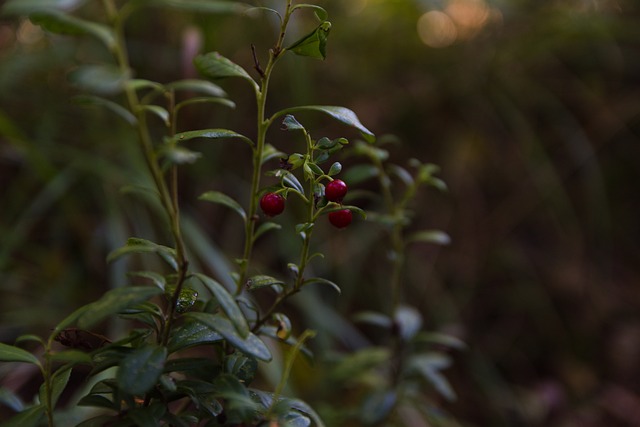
(61,23)
(313,44)
(157,111)
(209,133)
(179,155)
(95,101)
(251,345)
(223,199)
(72,356)
(429,366)
(9,353)
(137,245)
(196,85)
(323,282)
(140,370)
(430,236)
(374,318)
(402,173)
(215,66)
(265,227)
(113,302)
(319,11)
(262,281)
(31,417)
(138,84)
(102,79)
(27,7)
(341,114)
(59,381)
(206,100)
(203,6)
(228,304)
(157,278)
(30,337)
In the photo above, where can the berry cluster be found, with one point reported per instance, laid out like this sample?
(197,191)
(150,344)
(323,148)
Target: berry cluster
(272,204)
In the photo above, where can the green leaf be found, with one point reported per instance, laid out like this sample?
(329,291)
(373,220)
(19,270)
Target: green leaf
(186,299)
(335,169)
(265,227)
(140,370)
(206,100)
(179,155)
(228,304)
(103,79)
(290,123)
(319,11)
(196,85)
(203,6)
(323,282)
(31,417)
(409,321)
(341,114)
(402,173)
(441,339)
(137,245)
(378,405)
(72,356)
(138,84)
(158,111)
(241,366)
(27,7)
(157,278)
(30,337)
(208,133)
(313,44)
(262,281)
(119,110)
(270,152)
(223,199)
(429,366)
(191,334)
(430,236)
(61,23)
(10,399)
(251,344)
(9,353)
(358,364)
(59,381)
(215,66)
(374,318)
(113,302)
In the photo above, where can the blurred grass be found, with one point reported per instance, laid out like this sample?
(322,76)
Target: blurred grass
(534,121)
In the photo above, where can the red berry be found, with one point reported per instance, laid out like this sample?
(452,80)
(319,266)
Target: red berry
(341,218)
(272,204)
(335,190)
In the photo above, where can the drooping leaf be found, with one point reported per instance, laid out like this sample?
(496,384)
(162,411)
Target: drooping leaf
(195,85)
(206,100)
(61,23)
(9,353)
(157,111)
(191,334)
(102,79)
(137,245)
(208,133)
(251,345)
(320,12)
(223,199)
(215,66)
(119,110)
(265,227)
(430,236)
(429,366)
(113,302)
(262,281)
(27,7)
(138,84)
(158,279)
(341,114)
(323,282)
(228,304)
(313,44)
(140,370)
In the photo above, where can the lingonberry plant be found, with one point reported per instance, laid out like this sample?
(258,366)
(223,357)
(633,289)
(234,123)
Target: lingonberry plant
(195,346)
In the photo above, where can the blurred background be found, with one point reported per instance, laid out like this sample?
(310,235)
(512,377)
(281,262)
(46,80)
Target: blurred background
(531,108)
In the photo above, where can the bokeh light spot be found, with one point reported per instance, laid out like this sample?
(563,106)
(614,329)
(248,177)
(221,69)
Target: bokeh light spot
(436,29)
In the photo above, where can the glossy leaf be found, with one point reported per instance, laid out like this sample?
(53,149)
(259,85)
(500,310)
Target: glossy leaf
(192,333)
(430,236)
(136,245)
(215,66)
(223,199)
(119,110)
(140,370)
(209,133)
(227,303)
(102,79)
(341,114)
(9,353)
(113,302)
(262,281)
(251,344)
(313,44)
(61,23)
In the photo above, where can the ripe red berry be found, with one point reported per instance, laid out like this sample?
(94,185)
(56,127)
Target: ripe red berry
(335,190)
(341,218)
(272,204)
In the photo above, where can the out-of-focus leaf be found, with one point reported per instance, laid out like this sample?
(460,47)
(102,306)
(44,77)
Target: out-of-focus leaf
(27,7)
(378,405)
(228,304)
(113,302)
(320,12)
(195,85)
(313,44)
(61,23)
(408,320)
(157,111)
(202,6)
(179,155)
(215,66)
(137,245)
(251,345)
(223,199)
(102,79)
(9,353)
(441,339)
(430,236)
(157,278)
(341,114)
(11,400)
(354,365)
(429,366)
(265,227)
(140,370)
(72,356)
(322,281)
(119,110)
(374,318)
(31,417)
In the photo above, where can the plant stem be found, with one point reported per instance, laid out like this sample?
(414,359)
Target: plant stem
(168,197)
